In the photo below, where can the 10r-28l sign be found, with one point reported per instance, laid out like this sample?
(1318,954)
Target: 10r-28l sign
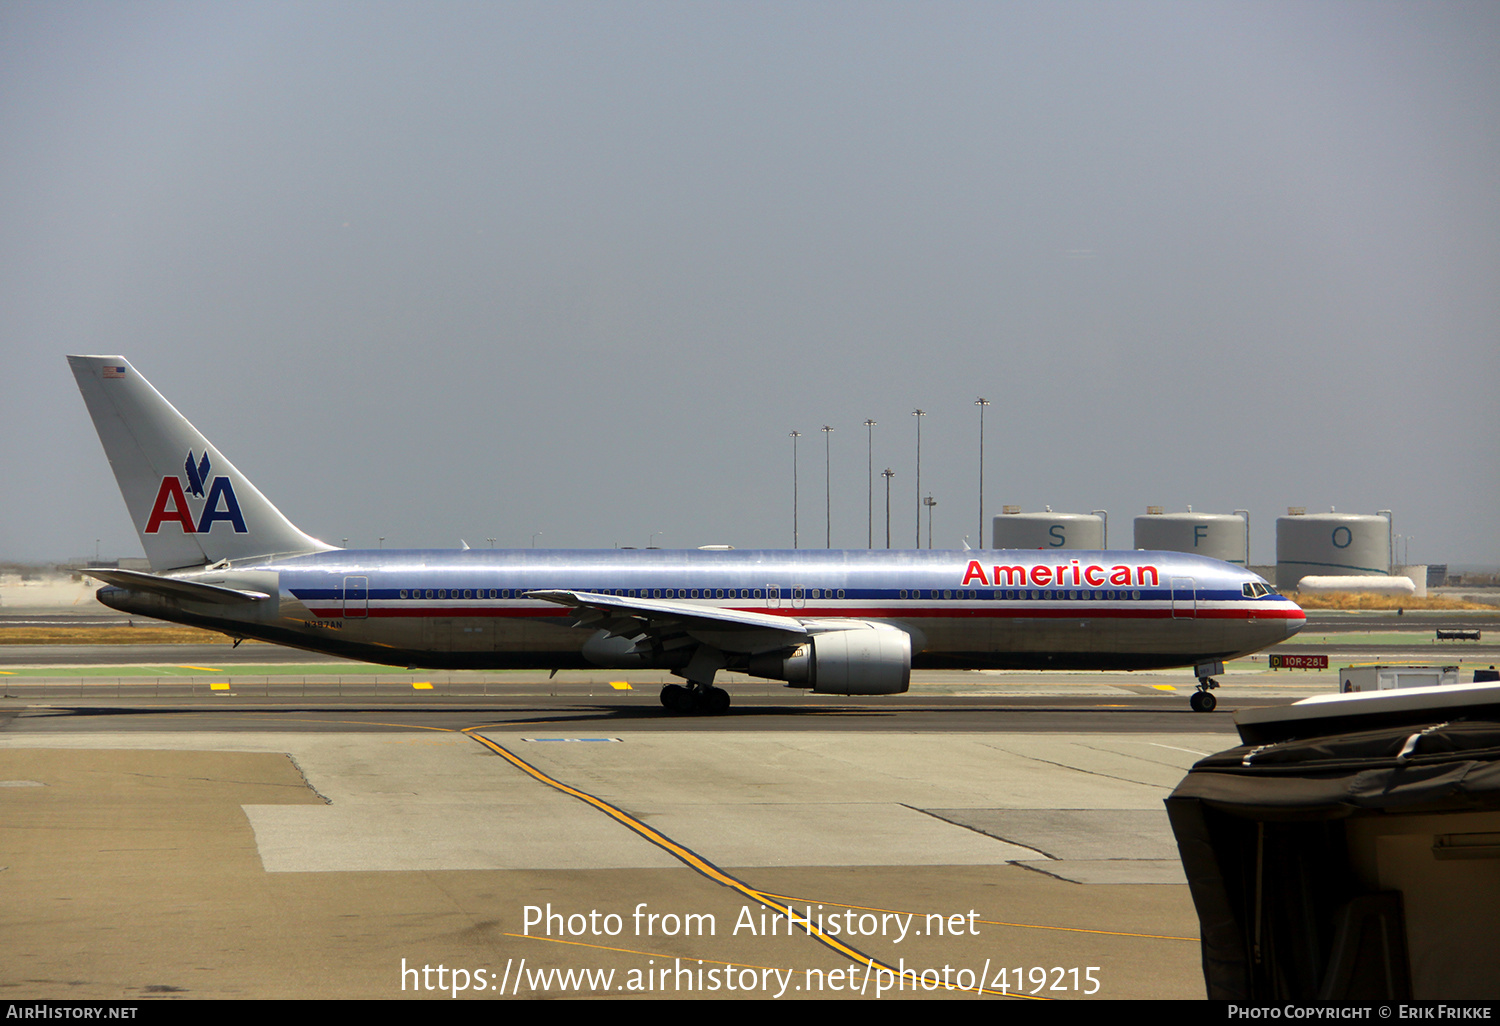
(1298,662)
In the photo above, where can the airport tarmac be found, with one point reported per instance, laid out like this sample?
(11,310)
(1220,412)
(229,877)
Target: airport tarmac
(568,838)
(310,864)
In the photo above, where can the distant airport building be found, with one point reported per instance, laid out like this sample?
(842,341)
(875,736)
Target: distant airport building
(1223,536)
(1331,545)
(1417,574)
(1013,529)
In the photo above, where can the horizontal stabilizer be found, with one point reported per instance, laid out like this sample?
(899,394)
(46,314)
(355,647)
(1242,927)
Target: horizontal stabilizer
(172,588)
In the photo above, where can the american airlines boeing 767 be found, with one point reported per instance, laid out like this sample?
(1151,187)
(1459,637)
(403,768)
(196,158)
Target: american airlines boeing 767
(839,622)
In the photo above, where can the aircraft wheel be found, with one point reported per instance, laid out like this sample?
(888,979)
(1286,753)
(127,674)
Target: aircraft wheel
(1202,701)
(715,701)
(676,698)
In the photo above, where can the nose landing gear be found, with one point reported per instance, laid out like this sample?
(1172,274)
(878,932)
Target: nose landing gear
(1203,699)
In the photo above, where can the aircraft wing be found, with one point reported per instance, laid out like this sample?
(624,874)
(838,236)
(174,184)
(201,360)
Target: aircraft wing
(730,629)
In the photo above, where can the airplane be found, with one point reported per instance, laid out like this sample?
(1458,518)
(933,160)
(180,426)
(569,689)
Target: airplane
(839,622)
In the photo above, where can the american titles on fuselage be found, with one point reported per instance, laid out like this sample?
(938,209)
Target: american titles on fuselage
(1040,575)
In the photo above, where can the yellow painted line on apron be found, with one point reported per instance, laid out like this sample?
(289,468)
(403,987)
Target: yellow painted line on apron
(683,854)
(1165,687)
(697,862)
(210,669)
(621,685)
(425,685)
(219,687)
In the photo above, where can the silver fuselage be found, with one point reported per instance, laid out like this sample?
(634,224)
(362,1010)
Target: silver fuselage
(992,609)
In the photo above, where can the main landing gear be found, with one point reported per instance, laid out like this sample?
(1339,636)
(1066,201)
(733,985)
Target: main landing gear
(700,695)
(697,698)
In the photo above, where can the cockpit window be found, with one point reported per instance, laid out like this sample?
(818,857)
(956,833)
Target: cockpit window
(1254,589)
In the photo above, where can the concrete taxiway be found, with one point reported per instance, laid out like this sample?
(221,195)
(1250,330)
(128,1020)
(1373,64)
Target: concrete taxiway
(280,864)
(282,836)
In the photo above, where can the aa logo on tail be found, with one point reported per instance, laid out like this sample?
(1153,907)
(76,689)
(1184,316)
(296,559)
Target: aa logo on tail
(171,503)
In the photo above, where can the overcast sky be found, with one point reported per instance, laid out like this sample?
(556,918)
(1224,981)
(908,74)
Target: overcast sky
(480,270)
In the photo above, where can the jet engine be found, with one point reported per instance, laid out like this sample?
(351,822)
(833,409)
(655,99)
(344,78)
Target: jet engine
(871,659)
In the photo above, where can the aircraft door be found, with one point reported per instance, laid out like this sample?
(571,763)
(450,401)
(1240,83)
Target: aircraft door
(1184,598)
(356,597)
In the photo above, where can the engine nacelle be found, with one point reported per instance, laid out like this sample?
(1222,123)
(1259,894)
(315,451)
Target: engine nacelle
(866,660)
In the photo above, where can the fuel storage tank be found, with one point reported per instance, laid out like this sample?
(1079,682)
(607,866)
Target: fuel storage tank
(1223,536)
(1331,545)
(1047,530)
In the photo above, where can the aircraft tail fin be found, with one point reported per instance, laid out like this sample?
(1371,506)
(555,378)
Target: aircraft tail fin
(190,506)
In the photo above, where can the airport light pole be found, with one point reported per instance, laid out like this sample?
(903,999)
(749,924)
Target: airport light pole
(919,414)
(828,486)
(870,481)
(929,502)
(795,435)
(981,403)
(888,473)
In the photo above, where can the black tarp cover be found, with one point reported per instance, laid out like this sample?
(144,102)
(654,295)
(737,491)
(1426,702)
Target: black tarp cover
(1264,824)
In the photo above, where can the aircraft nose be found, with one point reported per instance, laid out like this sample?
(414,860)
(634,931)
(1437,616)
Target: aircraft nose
(1296,621)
